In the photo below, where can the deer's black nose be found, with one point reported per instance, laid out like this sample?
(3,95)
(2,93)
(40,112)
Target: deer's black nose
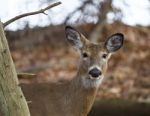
(95,72)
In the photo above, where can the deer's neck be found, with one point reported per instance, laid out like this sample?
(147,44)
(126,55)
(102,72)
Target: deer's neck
(82,97)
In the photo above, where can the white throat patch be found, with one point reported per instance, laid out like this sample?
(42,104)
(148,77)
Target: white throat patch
(91,83)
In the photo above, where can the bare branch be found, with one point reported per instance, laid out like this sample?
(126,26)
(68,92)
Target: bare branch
(31,13)
(26,75)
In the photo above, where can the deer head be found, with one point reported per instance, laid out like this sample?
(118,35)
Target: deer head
(94,57)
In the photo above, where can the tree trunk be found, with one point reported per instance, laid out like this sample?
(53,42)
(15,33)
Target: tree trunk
(12,100)
(106,6)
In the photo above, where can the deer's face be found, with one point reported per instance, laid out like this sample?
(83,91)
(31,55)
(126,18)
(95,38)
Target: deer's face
(94,57)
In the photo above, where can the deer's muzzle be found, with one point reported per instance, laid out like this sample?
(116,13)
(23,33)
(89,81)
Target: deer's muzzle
(95,72)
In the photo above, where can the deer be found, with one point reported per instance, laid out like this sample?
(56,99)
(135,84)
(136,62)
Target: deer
(76,96)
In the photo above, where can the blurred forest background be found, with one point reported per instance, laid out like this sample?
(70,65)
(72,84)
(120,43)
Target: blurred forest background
(45,52)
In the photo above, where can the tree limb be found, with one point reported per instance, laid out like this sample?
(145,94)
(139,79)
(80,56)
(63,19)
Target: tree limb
(31,13)
(26,75)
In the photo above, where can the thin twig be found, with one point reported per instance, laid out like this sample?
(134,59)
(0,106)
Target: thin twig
(80,8)
(31,13)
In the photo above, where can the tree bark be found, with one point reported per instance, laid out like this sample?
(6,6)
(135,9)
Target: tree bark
(12,100)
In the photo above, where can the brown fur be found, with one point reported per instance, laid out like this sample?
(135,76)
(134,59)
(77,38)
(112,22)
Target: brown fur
(76,96)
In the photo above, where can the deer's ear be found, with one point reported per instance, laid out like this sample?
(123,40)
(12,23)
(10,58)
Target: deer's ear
(73,37)
(114,42)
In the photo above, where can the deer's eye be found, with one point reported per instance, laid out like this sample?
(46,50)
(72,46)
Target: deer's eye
(104,56)
(85,55)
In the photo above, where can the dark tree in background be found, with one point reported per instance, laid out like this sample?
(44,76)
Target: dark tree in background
(94,11)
